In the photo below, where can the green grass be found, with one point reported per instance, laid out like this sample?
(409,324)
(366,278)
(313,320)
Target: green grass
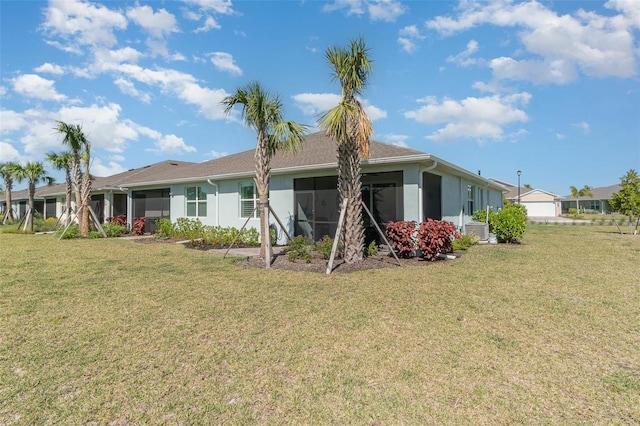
(115,332)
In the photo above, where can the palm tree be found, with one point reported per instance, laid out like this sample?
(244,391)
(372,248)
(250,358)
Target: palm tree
(263,112)
(348,124)
(8,172)
(34,173)
(63,161)
(75,139)
(577,193)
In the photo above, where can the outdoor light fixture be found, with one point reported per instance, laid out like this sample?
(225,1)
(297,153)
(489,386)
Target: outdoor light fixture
(519,173)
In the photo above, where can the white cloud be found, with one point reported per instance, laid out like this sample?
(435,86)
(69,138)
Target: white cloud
(315,103)
(128,88)
(216,154)
(408,38)
(34,86)
(8,152)
(597,45)
(117,157)
(171,144)
(50,69)
(464,58)
(10,121)
(481,118)
(158,24)
(560,136)
(393,139)
(88,23)
(379,10)
(101,170)
(3,90)
(385,10)
(540,72)
(583,126)
(224,62)
(218,6)
(209,24)
(373,112)
(630,8)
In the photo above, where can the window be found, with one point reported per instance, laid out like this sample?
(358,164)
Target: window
(248,200)
(196,201)
(470,190)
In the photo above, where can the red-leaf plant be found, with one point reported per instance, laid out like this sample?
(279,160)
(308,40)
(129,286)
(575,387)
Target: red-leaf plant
(138,225)
(401,237)
(434,237)
(118,220)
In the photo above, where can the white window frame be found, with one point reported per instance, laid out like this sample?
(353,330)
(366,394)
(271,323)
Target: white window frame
(254,201)
(197,201)
(471,189)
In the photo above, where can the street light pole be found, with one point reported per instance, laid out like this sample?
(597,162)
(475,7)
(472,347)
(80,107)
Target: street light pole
(519,172)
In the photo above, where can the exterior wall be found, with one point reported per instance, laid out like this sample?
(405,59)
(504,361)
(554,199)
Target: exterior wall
(452,199)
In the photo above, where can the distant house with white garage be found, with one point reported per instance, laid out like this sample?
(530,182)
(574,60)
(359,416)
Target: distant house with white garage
(539,203)
(397,184)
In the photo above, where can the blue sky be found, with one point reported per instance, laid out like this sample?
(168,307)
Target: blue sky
(548,88)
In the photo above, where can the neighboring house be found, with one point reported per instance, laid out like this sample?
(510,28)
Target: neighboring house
(597,203)
(539,203)
(398,184)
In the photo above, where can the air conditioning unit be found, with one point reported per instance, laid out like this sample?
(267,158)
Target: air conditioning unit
(481,229)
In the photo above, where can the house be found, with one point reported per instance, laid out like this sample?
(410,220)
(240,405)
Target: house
(397,184)
(598,202)
(539,203)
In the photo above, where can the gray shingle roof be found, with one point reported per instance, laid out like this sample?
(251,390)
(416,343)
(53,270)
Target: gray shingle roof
(600,193)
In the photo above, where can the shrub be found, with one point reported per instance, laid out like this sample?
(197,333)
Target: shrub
(401,236)
(118,220)
(510,223)
(434,237)
(138,225)
(464,241)
(325,245)
(113,229)
(372,249)
(481,216)
(95,234)
(72,232)
(573,211)
(300,248)
(164,228)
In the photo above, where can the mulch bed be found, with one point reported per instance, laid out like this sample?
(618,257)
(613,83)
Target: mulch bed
(317,264)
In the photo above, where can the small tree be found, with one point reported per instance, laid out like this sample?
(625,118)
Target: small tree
(627,200)
(63,161)
(8,173)
(34,173)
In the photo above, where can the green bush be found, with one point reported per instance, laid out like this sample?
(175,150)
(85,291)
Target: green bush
(481,216)
(188,229)
(465,241)
(372,249)
(113,229)
(72,232)
(14,230)
(510,223)
(95,234)
(300,248)
(164,228)
(325,245)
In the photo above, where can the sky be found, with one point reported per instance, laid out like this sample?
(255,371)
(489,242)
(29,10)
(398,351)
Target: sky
(548,88)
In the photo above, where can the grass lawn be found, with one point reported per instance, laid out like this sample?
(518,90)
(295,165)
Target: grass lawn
(116,332)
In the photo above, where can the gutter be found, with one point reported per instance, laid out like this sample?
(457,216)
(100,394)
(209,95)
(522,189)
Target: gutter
(421,189)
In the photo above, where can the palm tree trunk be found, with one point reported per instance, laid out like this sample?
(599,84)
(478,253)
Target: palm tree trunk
(86,197)
(76,182)
(7,198)
(262,185)
(67,204)
(350,188)
(31,193)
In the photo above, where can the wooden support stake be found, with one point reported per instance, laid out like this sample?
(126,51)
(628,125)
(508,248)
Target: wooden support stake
(343,209)
(381,233)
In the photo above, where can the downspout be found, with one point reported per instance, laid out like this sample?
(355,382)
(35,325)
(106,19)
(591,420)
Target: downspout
(421,192)
(210,182)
